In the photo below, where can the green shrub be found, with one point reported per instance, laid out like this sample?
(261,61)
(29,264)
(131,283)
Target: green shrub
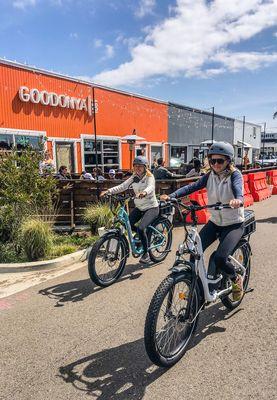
(62,249)
(36,239)
(23,191)
(8,254)
(98,215)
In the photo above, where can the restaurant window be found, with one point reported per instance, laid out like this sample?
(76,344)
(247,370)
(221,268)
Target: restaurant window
(156,153)
(179,152)
(24,141)
(107,153)
(10,140)
(6,142)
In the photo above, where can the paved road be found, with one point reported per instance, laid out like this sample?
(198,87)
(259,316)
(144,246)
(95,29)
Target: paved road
(66,339)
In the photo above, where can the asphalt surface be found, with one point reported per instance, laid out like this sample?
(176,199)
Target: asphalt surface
(67,339)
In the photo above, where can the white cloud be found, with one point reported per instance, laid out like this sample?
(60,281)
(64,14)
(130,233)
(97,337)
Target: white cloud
(22,4)
(194,41)
(74,35)
(97,43)
(109,51)
(130,42)
(145,7)
(275,34)
(251,61)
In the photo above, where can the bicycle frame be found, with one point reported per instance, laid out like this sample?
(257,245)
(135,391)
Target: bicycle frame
(194,247)
(123,218)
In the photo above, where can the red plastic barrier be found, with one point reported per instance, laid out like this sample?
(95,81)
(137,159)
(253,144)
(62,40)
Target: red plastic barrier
(272,175)
(258,186)
(248,198)
(201,197)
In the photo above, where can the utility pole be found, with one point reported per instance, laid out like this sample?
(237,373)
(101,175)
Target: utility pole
(95,143)
(242,143)
(263,144)
(94,126)
(213,125)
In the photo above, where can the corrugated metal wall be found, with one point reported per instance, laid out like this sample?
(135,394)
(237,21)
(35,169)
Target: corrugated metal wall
(56,121)
(186,126)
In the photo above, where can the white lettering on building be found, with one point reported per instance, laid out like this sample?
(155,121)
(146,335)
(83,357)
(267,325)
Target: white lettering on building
(53,99)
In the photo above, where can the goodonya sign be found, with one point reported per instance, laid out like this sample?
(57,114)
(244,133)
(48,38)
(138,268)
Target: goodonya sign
(52,99)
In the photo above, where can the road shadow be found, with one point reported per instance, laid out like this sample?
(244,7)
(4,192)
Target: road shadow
(271,220)
(208,320)
(75,291)
(124,372)
(119,373)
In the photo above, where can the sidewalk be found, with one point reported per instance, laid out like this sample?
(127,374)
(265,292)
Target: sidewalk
(17,277)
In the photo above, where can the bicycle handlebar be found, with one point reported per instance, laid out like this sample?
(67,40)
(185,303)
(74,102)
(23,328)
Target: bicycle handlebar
(120,197)
(194,207)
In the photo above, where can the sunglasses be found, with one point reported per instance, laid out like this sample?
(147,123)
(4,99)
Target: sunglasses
(219,161)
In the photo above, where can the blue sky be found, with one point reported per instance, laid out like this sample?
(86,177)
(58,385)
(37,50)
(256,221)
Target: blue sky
(199,53)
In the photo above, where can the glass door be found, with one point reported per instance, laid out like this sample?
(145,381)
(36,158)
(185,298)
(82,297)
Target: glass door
(65,155)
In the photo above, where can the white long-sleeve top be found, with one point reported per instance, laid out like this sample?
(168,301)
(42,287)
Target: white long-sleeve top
(146,184)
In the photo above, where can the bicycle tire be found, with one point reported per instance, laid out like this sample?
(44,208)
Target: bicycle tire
(93,273)
(164,253)
(246,252)
(150,333)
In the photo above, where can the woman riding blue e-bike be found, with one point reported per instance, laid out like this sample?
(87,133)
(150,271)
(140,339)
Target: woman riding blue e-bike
(146,204)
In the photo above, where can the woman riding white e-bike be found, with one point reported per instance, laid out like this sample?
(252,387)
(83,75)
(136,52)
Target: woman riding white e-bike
(224,184)
(146,204)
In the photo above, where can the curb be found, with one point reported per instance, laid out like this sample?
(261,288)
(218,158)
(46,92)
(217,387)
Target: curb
(64,261)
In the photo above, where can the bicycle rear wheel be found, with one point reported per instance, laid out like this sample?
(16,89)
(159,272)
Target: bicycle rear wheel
(161,227)
(242,254)
(167,332)
(107,259)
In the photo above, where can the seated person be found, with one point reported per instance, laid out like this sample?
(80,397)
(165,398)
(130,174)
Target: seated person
(196,170)
(46,166)
(160,172)
(97,174)
(63,173)
(87,176)
(111,174)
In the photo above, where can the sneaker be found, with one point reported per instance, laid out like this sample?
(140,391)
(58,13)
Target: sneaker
(145,259)
(237,288)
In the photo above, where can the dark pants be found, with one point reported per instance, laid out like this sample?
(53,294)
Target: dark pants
(146,218)
(229,237)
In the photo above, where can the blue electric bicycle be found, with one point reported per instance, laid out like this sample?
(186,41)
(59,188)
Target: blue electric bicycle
(109,254)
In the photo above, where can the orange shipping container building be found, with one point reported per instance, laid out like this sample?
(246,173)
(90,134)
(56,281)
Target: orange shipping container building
(36,103)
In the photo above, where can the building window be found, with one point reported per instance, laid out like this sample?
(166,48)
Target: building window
(254,132)
(6,142)
(10,140)
(107,152)
(156,153)
(24,141)
(179,152)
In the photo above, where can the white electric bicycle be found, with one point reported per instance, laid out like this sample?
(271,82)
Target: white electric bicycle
(175,307)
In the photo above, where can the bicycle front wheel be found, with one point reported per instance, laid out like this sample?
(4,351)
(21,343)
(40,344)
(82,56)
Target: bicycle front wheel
(160,239)
(167,330)
(107,260)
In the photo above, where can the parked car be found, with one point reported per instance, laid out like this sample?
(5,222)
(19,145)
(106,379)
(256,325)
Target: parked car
(267,162)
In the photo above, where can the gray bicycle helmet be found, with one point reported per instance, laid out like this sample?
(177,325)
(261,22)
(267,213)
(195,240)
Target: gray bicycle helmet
(222,148)
(140,160)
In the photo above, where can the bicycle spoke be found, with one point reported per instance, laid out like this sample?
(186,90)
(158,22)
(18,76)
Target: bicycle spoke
(170,330)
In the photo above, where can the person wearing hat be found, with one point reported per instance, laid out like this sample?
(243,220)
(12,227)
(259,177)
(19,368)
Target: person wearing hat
(111,174)
(224,184)
(87,176)
(146,204)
